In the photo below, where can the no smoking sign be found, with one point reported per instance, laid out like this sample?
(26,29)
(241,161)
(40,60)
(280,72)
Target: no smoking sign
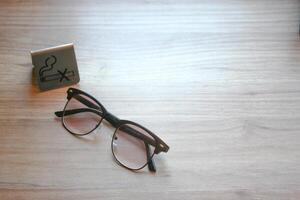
(55,67)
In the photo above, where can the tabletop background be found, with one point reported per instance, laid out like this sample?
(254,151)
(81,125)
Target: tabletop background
(219,81)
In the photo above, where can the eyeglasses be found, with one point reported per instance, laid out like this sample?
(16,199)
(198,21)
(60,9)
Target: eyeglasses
(133,146)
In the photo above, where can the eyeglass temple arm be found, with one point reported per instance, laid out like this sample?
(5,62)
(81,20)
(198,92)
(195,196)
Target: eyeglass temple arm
(113,120)
(75,111)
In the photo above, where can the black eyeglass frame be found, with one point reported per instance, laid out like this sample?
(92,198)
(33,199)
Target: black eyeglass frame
(159,144)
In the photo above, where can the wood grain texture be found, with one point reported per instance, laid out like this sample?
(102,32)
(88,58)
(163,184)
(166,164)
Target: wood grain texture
(219,81)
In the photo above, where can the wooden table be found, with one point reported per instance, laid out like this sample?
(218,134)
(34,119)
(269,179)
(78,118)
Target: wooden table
(219,81)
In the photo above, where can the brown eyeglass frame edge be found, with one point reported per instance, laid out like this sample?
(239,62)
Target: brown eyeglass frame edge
(159,144)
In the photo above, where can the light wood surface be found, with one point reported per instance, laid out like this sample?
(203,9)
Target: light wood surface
(219,81)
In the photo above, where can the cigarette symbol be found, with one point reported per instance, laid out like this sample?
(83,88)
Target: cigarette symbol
(59,76)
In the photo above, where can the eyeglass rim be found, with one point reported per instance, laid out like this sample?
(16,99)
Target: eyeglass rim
(69,130)
(124,122)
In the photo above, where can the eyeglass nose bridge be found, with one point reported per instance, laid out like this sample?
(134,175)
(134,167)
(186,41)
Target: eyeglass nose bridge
(112,119)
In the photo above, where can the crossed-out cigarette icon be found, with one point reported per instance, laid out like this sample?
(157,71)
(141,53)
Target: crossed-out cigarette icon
(59,76)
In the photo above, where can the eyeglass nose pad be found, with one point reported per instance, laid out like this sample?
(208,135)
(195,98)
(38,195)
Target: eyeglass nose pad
(69,94)
(114,139)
